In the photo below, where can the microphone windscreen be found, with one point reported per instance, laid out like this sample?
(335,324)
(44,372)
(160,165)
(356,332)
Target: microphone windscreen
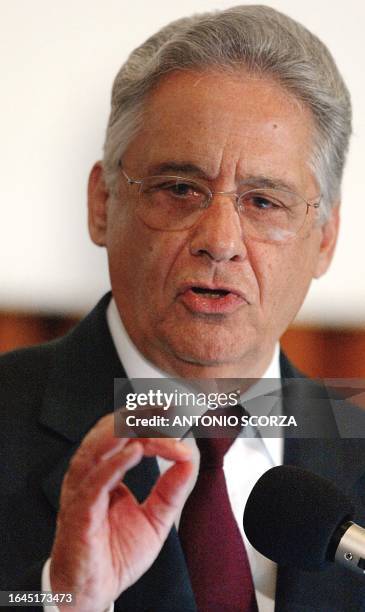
(292,514)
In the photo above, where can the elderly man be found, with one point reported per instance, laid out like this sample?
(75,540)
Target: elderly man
(218,202)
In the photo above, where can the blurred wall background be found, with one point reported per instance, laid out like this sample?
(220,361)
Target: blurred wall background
(58,62)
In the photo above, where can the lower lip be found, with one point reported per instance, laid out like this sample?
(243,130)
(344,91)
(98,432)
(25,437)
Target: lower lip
(201,302)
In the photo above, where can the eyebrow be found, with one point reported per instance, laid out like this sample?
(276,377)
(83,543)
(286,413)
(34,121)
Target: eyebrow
(268,182)
(179,167)
(252,180)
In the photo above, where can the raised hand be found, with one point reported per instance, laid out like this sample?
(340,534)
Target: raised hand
(105,540)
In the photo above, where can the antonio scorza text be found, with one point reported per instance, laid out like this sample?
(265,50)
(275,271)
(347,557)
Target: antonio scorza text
(211,421)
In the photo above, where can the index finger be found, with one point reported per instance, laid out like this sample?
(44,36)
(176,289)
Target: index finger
(101,443)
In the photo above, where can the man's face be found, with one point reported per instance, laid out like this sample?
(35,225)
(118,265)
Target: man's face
(226,128)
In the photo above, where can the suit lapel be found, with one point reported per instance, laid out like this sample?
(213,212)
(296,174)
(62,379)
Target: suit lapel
(86,358)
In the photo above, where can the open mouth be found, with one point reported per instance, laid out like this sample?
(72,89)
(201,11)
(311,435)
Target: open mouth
(211,300)
(212,293)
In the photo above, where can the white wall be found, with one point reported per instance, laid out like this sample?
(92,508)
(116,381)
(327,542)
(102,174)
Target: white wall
(58,62)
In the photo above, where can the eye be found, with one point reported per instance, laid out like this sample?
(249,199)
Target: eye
(262,202)
(174,192)
(180,189)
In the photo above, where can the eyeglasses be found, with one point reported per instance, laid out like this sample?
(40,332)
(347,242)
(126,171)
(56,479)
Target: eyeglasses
(174,203)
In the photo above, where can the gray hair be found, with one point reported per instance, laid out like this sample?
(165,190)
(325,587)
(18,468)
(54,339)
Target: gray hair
(264,42)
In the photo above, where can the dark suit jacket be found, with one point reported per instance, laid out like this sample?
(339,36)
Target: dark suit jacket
(51,395)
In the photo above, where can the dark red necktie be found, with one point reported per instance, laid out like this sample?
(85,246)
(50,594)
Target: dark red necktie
(214,551)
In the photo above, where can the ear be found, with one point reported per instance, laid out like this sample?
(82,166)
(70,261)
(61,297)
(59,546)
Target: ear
(98,197)
(329,234)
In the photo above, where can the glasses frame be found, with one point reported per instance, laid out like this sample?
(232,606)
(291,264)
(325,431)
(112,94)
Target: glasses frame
(313,203)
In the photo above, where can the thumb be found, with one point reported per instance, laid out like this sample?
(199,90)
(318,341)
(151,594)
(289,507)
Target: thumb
(167,497)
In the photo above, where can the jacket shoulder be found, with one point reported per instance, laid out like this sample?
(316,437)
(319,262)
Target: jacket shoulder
(23,376)
(24,364)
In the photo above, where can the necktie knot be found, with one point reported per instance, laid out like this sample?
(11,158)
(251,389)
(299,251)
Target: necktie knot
(212,451)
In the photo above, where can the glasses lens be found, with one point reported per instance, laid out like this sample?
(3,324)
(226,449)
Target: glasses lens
(175,203)
(272,214)
(171,203)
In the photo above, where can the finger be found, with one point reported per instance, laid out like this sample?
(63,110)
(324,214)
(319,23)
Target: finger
(121,492)
(168,448)
(93,496)
(99,439)
(99,442)
(122,459)
(167,497)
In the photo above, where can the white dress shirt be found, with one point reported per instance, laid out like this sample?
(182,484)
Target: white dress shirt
(244,463)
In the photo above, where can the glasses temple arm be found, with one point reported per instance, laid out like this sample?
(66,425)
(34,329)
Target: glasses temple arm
(129,180)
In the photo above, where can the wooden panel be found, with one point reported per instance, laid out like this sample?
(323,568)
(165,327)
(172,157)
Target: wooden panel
(327,353)
(19,330)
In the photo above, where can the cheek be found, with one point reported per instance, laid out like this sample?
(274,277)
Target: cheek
(126,254)
(284,275)
(141,259)
(162,258)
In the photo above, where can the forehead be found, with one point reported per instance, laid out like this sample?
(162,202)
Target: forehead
(224,123)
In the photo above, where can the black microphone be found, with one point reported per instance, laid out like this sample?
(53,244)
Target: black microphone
(297,518)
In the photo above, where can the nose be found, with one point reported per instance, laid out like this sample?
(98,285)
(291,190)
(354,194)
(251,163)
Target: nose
(218,234)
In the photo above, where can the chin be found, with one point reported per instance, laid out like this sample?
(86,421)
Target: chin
(208,345)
